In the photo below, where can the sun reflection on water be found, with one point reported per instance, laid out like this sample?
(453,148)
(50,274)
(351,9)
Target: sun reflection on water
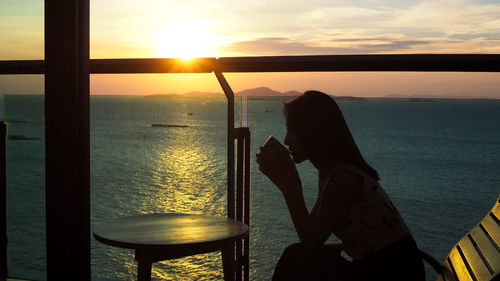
(183,175)
(200,267)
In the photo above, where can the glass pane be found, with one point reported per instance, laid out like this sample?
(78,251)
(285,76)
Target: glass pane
(21,30)
(22,39)
(24,116)
(138,168)
(437,159)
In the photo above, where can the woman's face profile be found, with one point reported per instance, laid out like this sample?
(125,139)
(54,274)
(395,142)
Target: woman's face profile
(298,154)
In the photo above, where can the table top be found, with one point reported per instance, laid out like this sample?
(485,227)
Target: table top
(168,230)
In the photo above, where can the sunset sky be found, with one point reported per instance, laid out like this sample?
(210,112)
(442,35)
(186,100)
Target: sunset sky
(221,28)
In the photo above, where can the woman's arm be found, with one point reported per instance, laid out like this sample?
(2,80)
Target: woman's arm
(337,197)
(312,228)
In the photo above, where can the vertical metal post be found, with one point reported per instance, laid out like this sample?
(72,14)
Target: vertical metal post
(246,207)
(3,198)
(239,195)
(230,143)
(243,198)
(67,145)
(242,210)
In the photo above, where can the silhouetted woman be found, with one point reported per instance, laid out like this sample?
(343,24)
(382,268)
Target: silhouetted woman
(350,204)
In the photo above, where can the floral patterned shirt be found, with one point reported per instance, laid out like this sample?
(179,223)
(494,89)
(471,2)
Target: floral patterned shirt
(371,224)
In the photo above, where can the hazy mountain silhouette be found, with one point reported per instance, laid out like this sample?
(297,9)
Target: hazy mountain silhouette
(268,92)
(260,91)
(255,92)
(265,91)
(425,97)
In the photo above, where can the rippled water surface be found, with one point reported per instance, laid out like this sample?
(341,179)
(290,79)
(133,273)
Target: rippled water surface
(438,160)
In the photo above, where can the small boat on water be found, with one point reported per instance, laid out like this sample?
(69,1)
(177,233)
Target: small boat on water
(169,125)
(21,137)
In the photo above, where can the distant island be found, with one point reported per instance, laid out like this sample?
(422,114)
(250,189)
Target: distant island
(21,137)
(268,92)
(433,97)
(15,121)
(255,92)
(421,100)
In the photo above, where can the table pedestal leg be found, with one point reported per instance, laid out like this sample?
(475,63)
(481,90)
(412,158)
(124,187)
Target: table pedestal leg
(143,269)
(228,262)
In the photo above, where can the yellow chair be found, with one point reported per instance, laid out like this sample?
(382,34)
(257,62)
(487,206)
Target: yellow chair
(476,257)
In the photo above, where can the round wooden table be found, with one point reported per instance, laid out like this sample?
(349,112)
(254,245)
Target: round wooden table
(157,237)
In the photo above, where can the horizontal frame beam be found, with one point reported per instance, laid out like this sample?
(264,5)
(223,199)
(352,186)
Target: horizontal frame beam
(171,65)
(474,63)
(429,62)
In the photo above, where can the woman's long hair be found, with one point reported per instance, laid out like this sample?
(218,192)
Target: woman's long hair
(322,132)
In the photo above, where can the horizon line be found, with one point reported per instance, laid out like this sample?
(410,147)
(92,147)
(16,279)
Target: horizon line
(390,96)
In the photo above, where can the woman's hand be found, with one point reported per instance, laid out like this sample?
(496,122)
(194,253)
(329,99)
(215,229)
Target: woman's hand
(280,169)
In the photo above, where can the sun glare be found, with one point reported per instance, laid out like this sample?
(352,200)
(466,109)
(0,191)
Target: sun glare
(186,40)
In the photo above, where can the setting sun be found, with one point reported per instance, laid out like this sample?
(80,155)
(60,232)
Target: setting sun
(186,40)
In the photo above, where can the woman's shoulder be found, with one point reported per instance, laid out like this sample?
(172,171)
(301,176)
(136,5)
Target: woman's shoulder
(344,173)
(343,180)
(342,186)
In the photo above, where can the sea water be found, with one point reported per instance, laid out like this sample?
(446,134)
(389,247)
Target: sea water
(438,160)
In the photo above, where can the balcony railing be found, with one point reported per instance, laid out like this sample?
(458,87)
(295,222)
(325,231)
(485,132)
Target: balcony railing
(66,68)
(327,63)
(411,62)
